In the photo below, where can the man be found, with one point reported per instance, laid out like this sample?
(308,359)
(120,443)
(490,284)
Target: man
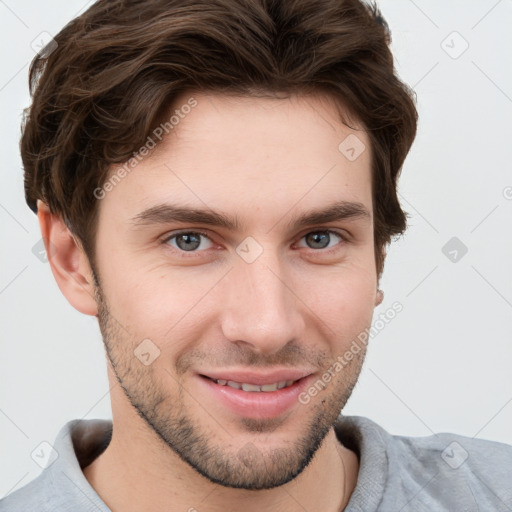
(216,182)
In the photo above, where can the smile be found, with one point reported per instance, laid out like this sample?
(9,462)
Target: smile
(244,386)
(269,398)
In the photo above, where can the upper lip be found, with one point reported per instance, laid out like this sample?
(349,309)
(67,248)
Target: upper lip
(257,378)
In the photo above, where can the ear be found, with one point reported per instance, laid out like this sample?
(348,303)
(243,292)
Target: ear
(379,294)
(68,261)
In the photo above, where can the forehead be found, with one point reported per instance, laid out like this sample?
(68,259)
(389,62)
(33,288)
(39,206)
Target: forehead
(250,154)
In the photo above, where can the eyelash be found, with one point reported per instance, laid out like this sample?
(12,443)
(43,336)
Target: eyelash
(188,254)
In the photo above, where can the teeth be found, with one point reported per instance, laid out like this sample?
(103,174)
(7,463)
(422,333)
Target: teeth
(252,387)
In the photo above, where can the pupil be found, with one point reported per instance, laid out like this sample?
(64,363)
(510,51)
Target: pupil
(319,240)
(188,238)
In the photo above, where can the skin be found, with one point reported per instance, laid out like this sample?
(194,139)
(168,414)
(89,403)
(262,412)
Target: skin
(299,305)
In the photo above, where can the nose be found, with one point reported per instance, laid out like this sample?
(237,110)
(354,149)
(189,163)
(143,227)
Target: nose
(259,308)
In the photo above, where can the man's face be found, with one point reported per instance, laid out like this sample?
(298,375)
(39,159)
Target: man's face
(264,296)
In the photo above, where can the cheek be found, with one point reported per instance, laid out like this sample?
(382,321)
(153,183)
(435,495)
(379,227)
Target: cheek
(163,304)
(156,301)
(342,300)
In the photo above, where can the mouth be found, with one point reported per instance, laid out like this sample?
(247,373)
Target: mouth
(251,388)
(250,395)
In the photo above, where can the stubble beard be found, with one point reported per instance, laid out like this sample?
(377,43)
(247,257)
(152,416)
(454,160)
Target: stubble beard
(250,466)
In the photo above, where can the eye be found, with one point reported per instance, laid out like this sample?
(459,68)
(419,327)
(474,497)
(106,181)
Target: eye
(188,241)
(197,241)
(322,239)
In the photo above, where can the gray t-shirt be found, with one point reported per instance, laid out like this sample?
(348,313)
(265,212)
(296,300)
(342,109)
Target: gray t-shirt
(443,472)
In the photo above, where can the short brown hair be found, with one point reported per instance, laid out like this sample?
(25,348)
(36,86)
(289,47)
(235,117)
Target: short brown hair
(117,67)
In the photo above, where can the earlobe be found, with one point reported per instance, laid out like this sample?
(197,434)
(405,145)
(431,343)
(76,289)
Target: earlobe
(68,261)
(379,297)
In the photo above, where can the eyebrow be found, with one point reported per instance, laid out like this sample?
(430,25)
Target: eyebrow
(167,213)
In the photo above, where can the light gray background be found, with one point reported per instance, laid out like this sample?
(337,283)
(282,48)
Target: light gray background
(443,364)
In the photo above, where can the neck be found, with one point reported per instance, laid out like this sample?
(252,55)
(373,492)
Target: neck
(138,471)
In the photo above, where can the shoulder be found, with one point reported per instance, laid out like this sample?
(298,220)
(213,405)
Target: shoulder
(33,496)
(455,470)
(442,471)
(62,486)
(46,493)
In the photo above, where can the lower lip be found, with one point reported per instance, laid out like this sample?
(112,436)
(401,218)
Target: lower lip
(256,404)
